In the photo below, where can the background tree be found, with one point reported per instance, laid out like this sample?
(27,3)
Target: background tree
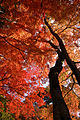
(29,47)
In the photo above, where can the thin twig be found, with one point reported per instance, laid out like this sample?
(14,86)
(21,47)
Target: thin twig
(75,94)
(71,86)
(14,46)
(67,77)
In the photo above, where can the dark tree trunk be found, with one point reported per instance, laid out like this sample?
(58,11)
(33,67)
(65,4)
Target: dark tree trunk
(60,110)
(71,64)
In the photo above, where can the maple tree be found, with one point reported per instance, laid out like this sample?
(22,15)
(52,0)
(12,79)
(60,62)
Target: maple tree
(34,36)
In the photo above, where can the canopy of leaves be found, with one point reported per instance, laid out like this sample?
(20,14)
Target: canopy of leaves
(25,53)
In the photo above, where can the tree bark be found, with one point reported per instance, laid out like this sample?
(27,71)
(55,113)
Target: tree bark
(60,110)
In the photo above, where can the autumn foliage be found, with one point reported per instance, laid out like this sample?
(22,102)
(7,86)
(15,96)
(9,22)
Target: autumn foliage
(26,54)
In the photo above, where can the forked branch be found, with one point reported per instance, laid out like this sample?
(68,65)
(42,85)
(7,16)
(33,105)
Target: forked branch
(65,54)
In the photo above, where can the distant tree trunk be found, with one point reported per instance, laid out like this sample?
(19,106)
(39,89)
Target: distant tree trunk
(60,110)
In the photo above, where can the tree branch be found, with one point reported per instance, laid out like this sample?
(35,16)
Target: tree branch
(65,54)
(71,86)
(14,46)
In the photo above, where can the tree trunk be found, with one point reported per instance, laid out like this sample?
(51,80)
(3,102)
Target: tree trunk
(71,64)
(60,110)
